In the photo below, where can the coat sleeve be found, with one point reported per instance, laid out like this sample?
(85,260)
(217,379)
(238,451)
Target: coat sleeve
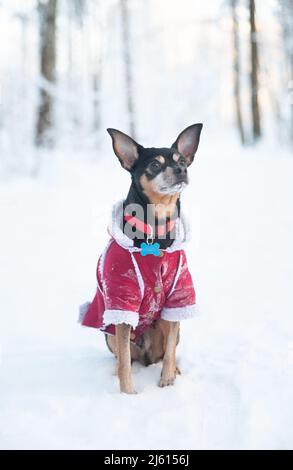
(121,290)
(180,303)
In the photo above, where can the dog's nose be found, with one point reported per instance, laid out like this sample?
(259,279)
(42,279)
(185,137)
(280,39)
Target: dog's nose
(179,170)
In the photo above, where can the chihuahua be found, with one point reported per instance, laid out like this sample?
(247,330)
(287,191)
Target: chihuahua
(144,286)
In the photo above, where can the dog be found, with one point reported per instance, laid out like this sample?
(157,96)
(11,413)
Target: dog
(144,286)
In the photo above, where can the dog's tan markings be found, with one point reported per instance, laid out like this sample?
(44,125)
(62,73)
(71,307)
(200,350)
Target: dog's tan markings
(170,370)
(158,342)
(176,157)
(160,159)
(134,349)
(165,204)
(124,358)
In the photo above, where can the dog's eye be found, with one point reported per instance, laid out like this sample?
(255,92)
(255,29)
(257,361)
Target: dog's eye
(182,161)
(155,165)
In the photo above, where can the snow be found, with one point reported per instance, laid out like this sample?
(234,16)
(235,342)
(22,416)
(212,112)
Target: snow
(58,389)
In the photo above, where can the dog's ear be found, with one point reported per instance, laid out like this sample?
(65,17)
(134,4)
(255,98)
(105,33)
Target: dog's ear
(125,148)
(187,142)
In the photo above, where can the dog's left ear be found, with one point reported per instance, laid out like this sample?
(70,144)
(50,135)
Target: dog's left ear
(125,148)
(187,142)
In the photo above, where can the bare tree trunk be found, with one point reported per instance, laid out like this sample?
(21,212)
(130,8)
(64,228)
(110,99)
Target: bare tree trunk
(96,102)
(127,64)
(290,60)
(286,19)
(96,61)
(47,18)
(254,79)
(237,71)
(291,89)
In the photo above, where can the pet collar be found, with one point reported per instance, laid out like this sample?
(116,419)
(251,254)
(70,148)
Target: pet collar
(147,228)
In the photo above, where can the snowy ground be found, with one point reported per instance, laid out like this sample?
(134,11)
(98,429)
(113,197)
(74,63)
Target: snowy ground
(57,384)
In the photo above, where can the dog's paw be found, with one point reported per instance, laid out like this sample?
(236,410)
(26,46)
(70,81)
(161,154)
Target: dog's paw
(165,382)
(169,377)
(128,391)
(128,388)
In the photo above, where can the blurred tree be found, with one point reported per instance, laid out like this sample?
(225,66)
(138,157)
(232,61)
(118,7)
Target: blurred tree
(286,16)
(47,31)
(237,71)
(75,12)
(97,62)
(86,17)
(127,64)
(254,75)
(79,9)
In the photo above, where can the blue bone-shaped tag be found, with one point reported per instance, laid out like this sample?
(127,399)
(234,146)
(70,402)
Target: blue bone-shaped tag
(151,249)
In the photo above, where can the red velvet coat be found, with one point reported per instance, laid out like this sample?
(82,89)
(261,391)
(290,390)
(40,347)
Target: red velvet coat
(137,290)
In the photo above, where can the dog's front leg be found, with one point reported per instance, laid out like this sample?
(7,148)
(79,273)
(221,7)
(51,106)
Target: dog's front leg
(169,370)
(124,358)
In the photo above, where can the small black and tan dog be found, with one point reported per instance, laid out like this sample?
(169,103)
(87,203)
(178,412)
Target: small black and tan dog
(142,297)
(158,174)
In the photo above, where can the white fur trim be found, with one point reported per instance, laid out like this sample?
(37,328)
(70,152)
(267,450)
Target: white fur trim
(116,317)
(102,259)
(82,311)
(138,275)
(179,313)
(116,222)
(186,226)
(114,227)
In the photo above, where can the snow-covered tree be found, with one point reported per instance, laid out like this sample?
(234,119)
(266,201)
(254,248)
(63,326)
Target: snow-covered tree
(127,59)
(254,73)
(286,19)
(47,19)
(237,70)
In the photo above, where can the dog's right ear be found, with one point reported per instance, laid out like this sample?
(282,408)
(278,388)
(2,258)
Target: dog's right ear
(125,148)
